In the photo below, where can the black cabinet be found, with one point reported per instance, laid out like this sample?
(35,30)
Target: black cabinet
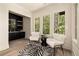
(16,35)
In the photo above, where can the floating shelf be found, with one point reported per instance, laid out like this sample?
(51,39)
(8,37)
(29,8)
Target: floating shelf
(19,21)
(19,25)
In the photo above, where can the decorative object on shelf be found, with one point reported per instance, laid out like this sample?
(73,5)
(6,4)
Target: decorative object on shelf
(12,25)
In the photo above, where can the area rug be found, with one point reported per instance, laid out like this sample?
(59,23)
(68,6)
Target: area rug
(34,48)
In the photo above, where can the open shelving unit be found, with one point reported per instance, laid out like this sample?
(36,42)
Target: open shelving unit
(18,20)
(15,27)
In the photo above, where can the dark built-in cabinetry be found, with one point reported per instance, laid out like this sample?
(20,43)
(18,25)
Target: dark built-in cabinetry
(16,35)
(15,27)
(15,22)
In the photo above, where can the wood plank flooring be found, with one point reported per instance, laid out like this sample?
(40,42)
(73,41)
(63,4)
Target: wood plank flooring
(19,44)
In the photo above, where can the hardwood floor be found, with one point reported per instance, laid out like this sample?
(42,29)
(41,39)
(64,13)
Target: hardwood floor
(19,44)
(15,46)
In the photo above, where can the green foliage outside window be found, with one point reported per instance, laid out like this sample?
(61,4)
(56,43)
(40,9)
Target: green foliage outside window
(59,24)
(37,24)
(46,24)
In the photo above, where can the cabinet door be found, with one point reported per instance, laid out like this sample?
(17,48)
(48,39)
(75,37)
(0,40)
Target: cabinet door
(22,34)
(12,36)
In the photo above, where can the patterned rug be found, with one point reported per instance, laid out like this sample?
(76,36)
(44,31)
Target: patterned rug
(34,48)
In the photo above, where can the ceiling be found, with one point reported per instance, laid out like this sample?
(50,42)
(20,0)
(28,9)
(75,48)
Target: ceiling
(33,6)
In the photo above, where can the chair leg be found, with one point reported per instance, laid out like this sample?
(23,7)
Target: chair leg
(62,49)
(54,51)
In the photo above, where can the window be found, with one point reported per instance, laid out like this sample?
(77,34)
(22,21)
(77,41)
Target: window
(46,24)
(37,24)
(59,22)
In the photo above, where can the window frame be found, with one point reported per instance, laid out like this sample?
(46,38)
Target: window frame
(48,25)
(37,18)
(56,21)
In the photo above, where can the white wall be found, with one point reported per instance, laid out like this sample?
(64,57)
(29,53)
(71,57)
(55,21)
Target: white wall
(75,41)
(3,27)
(4,9)
(78,28)
(27,26)
(18,9)
(54,8)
